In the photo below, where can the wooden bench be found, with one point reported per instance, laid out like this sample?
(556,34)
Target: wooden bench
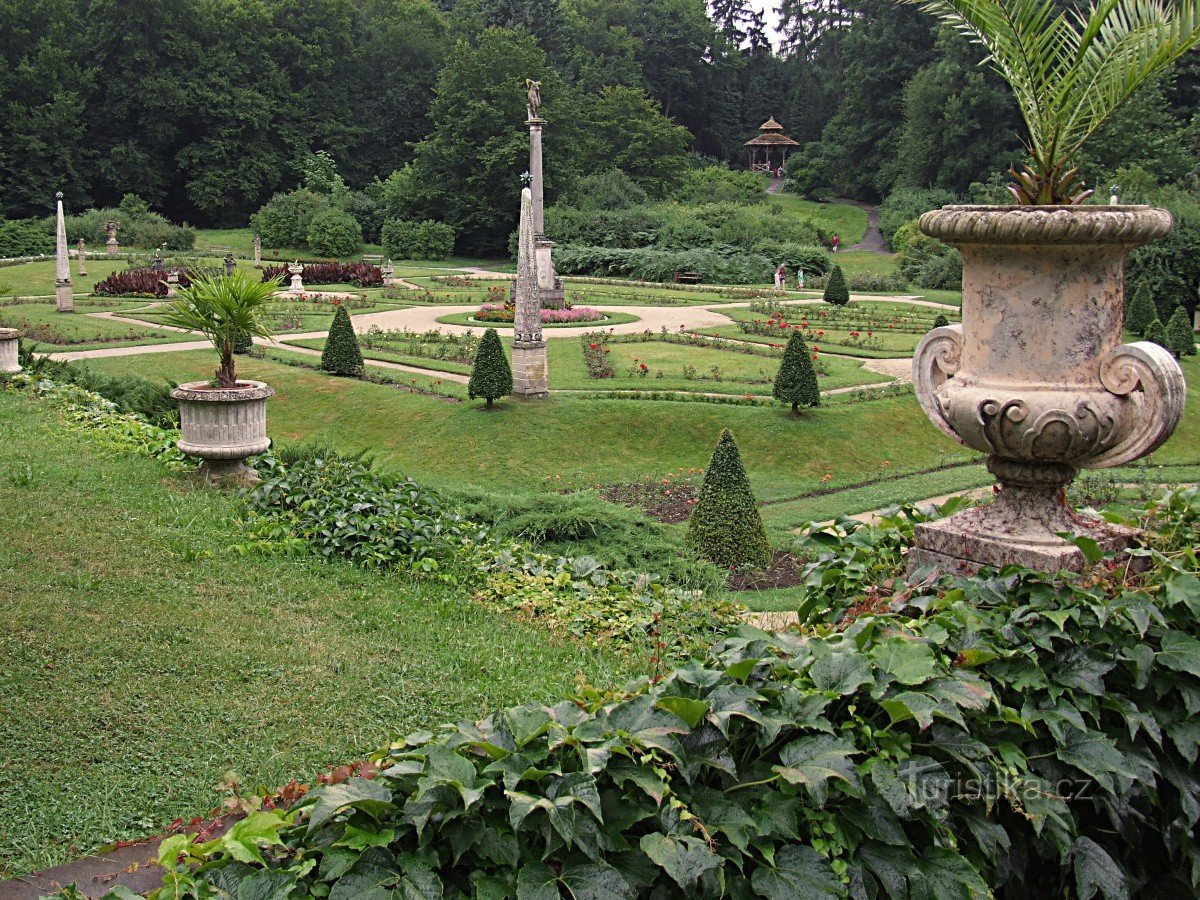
(687,277)
(372,258)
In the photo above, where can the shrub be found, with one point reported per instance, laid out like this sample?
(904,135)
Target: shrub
(796,382)
(25,237)
(725,527)
(941,321)
(1140,312)
(139,283)
(284,220)
(243,343)
(491,376)
(1156,333)
(721,184)
(1020,735)
(368,210)
(926,261)
(906,204)
(714,267)
(813,260)
(334,232)
(404,239)
(608,190)
(341,355)
(836,291)
(1180,335)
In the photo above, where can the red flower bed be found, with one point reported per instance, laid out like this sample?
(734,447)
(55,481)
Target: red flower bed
(360,273)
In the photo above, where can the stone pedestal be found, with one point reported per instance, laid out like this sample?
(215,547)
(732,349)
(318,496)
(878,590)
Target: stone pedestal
(223,426)
(389,275)
(1037,378)
(172,285)
(295,270)
(110,245)
(9,338)
(530,371)
(64,297)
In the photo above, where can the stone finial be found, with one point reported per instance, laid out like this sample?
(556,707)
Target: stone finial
(63,296)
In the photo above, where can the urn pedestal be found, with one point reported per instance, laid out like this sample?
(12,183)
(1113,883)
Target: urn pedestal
(9,338)
(1036,377)
(223,426)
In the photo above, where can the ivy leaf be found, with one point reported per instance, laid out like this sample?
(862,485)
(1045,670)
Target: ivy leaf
(691,711)
(946,875)
(685,859)
(798,872)
(841,672)
(815,759)
(526,723)
(910,705)
(537,881)
(355,838)
(1095,871)
(907,661)
(892,866)
(1180,653)
(266,885)
(243,839)
(1079,669)
(332,798)
(595,881)
(371,878)
(1186,736)
(1094,754)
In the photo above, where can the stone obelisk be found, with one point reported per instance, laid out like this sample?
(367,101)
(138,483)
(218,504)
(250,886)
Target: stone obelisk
(64,299)
(550,290)
(530,376)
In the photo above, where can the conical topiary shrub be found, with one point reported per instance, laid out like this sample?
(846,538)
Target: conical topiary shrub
(1140,311)
(725,527)
(341,355)
(1181,339)
(836,291)
(1156,333)
(941,321)
(491,376)
(796,382)
(242,342)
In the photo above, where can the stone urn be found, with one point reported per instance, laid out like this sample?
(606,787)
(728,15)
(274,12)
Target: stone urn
(9,338)
(296,270)
(223,426)
(1037,378)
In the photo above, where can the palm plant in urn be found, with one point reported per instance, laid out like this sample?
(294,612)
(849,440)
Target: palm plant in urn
(1036,375)
(224,420)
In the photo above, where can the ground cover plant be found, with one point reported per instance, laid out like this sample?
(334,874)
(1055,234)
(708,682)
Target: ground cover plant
(1003,733)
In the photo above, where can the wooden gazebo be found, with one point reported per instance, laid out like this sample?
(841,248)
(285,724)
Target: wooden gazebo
(769,150)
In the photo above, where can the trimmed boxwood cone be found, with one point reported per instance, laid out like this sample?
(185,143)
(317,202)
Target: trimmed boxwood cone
(796,382)
(491,376)
(1140,312)
(242,342)
(836,291)
(341,355)
(941,321)
(1179,333)
(725,527)
(1156,333)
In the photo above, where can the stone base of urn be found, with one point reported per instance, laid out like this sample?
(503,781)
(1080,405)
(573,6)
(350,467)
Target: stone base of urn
(223,426)
(8,350)
(1022,526)
(530,372)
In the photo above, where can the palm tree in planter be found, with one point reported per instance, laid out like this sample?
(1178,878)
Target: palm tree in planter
(223,421)
(1036,376)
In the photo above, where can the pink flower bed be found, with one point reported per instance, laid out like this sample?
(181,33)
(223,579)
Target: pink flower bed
(492,312)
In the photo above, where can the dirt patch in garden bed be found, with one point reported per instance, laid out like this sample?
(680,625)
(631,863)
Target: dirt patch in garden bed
(670,503)
(784,570)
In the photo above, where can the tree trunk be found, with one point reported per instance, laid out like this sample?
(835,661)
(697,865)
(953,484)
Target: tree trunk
(226,375)
(795,408)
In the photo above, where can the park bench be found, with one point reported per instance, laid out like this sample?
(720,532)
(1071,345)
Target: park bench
(687,277)
(374,258)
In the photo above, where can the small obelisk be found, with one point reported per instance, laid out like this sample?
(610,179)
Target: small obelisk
(530,376)
(64,299)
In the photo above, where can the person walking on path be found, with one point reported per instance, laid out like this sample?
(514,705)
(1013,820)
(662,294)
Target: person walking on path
(780,278)
(837,242)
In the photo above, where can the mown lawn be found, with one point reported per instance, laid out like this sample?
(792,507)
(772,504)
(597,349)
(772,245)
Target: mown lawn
(848,222)
(141,659)
(577,441)
(42,325)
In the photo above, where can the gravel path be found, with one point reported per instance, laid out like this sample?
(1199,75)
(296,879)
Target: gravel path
(873,240)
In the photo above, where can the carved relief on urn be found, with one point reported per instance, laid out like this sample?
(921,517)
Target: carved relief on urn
(1036,375)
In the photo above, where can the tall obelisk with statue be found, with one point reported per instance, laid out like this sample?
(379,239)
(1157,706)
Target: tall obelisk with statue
(549,285)
(64,299)
(529,368)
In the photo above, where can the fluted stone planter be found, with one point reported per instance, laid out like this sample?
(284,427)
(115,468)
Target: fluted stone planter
(1036,376)
(223,426)
(9,338)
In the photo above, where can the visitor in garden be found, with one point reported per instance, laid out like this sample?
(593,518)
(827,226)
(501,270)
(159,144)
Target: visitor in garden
(780,278)
(799,279)
(837,242)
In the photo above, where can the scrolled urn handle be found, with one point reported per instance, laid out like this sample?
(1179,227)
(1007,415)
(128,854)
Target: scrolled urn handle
(938,357)
(1150,376)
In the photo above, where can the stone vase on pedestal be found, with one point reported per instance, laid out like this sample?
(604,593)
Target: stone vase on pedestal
(1036,377)
(223,426)
(296,270)
(9,338)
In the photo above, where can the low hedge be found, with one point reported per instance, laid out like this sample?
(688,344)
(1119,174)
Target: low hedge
(713,266)
(1008,733)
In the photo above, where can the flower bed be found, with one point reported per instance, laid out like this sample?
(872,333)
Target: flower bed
(360,273)
(577,315)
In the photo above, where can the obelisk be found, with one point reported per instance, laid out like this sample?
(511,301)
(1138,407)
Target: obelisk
(550,291)
(530,376)
(64,299)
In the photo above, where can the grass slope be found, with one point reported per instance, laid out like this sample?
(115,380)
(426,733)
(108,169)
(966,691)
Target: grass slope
(140,659)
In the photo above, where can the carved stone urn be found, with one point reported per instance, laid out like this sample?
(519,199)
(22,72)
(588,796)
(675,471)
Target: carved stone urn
(1037,378)
(9,339)
(223,426)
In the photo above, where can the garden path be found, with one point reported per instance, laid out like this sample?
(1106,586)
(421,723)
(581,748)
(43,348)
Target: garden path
(872,241)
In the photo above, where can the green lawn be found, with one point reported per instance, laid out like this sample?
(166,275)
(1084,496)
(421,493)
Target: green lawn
(581,441)
(848,222)
(286,316)
(140,659)
(36,279)
(42,324)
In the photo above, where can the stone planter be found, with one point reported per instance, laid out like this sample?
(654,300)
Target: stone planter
(223,426)
(1036,376)
(8,350)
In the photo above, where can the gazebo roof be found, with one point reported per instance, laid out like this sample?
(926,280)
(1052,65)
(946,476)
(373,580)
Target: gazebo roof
(771,135)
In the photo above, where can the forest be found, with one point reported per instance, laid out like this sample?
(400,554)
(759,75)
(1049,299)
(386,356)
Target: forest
(205,109)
